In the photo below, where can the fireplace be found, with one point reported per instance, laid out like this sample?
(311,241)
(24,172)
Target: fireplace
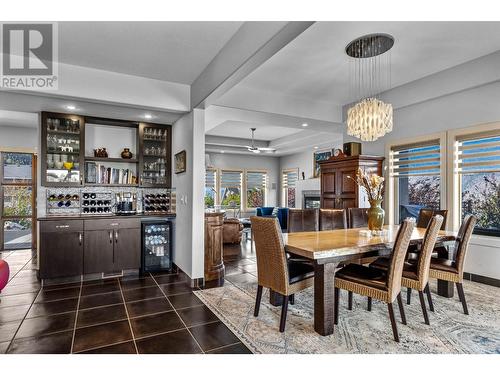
(311,198)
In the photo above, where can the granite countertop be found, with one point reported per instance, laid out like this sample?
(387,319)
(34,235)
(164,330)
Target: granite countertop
(97,217)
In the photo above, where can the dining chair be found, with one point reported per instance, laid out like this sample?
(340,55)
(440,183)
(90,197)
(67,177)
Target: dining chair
(416,274)
(303,220)
(358,217)
(453,270)
(425,215)
(274,270)
(374,283)
(330,219)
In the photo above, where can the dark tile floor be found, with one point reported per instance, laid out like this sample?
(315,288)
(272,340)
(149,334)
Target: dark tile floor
(153,314)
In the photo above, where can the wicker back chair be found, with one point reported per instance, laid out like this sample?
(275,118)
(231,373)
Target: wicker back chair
(416,274)
(274,271)
(375,283)
(453,270)
(332,219)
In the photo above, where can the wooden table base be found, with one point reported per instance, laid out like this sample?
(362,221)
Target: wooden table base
(324,303)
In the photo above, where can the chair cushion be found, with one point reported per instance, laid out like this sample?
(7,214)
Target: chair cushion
(369,276)
(409,268)
(444,265)
(298,271)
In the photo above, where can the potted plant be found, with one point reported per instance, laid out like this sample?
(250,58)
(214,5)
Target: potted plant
(373,184)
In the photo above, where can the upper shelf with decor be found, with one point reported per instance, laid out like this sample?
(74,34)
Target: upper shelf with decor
(79,150)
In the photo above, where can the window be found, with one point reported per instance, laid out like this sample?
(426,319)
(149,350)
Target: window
(256,189)
(477,164)
(415,170)
(230,188)
(210,188)
(289,180)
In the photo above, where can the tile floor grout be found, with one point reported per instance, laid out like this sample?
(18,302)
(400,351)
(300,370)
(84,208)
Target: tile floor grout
(158,281)
(76,318)
(185,326)
(128,318)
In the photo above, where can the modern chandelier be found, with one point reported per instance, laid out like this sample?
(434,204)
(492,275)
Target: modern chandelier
(370,74)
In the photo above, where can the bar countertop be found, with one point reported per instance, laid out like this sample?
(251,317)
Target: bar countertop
(97,217)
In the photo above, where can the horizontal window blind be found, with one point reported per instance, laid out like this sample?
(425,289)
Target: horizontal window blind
(230,179)
(289,179)
(256,180)
(210,178)
(479,153)
(419,159)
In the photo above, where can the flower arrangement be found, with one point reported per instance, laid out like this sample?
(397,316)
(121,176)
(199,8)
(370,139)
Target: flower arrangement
(372,183)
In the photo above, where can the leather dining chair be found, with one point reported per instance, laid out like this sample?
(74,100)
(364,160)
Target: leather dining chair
(425,215)
(358,217)
(330,219)
(305,220)
(274,270)
(416,274)
(453,270)
(374,283)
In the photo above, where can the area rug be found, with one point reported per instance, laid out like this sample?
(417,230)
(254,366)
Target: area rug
(360,331)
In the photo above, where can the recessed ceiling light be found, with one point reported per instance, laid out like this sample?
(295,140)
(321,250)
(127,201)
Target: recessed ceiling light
(71,107)
(305,124)
(148,116)
(222,151)
(315,147)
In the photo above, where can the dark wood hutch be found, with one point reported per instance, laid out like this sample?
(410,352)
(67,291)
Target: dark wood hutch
(338,188)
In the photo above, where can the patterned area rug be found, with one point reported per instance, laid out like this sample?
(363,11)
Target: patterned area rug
(360,331)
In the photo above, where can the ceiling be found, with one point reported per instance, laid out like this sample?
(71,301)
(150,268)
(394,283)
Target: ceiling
(240,129)
(168,51)
(315,66)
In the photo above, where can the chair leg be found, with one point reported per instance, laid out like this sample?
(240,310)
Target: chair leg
(424,308)
(292,299)
(369,308)
(393,322)
(336,305)
(401,309)
(257,300)
(460,289)
(349,301)
(284,309)
(429,297)
(408,296)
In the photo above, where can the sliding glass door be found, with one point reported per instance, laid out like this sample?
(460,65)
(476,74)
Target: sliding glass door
(17,201)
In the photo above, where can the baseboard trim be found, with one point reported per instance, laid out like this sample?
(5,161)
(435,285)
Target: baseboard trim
(482,279)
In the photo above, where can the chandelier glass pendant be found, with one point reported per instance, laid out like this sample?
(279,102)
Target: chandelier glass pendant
(370,74)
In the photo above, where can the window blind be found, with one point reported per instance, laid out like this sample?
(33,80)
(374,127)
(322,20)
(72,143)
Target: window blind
(418,159)
(256,180)
(210,178)
(479,153)
(289,179)
(230,179)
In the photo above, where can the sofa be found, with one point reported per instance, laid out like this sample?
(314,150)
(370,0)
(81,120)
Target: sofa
(280,212)
(231,231)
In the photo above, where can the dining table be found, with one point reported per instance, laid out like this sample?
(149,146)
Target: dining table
(327,249)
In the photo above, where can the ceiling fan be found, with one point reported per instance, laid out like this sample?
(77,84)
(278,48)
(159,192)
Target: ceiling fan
(258,150)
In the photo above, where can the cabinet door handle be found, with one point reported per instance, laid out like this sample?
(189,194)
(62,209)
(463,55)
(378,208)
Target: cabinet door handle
(114,224)
(62,226)
(116,236)
(80,237)
(110,237)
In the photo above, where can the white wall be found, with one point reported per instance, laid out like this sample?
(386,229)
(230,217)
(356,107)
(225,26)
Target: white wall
(18,137)
(269,163)
(188,135)
(459,110)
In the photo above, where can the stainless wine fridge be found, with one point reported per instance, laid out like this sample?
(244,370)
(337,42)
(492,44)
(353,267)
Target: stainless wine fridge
(156,246)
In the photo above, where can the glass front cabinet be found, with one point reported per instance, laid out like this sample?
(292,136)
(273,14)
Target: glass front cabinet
(62,154)
(155,155)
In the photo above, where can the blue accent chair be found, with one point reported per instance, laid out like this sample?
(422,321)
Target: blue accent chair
(282,215)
